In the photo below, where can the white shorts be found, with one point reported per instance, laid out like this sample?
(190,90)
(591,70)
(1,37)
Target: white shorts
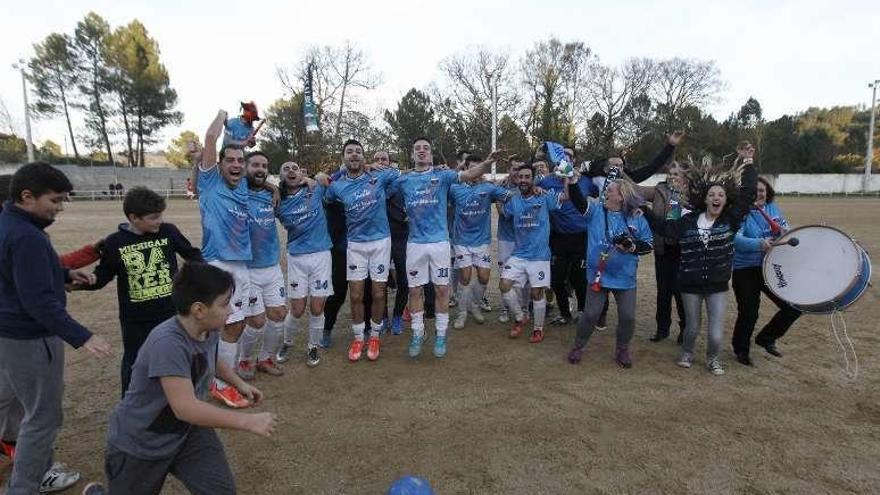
(427,263)
(242,279)
(309,275)
(478,256)
(267,290)
(505,248)
(369,258)
(522,272)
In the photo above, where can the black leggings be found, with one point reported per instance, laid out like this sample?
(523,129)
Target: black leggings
(748,283)
(567,267)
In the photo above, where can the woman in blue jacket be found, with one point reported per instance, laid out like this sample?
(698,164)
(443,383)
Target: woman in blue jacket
(617,234)
(763,224)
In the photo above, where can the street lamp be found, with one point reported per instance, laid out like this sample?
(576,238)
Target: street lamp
(27,112)
(870,155)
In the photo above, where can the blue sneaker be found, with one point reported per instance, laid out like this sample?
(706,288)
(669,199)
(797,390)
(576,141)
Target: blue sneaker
(326,340)
(439,347)
(415,346)
(396,325)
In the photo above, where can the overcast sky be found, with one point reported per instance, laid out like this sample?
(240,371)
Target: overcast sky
(788,54)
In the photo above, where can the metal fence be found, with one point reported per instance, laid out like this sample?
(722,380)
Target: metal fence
(107,195)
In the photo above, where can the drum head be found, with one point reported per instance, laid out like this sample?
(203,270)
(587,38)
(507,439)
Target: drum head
(821,268)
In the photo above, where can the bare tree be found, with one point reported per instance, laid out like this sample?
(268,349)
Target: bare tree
(617,94)
(8,124)
(337,75)
(679,83)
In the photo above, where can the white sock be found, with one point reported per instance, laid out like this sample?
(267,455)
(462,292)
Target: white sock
(374,328)
(226,354)
(511,299)
(524,298)
(539,309)
(358,329)
(418,324)
(271,339)
(464,297)
(316,330)
(291,327)
(479,289)
(441,322)
(249,341)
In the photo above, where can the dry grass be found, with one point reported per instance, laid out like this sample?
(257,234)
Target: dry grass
(502,416)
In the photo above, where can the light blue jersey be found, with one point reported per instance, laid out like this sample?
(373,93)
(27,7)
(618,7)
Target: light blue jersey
(425,199)
(621,267)
(237,130)
(302,214)
(225,235)
(531,224)
(264,232)
(505,223)
(366,216)
(472,226)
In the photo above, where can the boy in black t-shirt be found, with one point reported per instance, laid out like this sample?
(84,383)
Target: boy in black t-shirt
(142,254)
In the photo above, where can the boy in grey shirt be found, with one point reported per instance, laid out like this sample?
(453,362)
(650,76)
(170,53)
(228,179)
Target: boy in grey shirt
(164,424)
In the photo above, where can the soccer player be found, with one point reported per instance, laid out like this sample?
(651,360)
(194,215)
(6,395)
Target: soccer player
(266,306)
(226,240)
(34,325)
(363,194)
(309,263)
(472,236)
(529,262)
(163,426)
(425,191)
(504,231)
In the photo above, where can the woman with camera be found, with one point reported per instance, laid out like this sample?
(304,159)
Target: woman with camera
(617,234)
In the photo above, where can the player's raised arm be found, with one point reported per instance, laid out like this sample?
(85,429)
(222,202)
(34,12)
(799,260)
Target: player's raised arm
(215,130)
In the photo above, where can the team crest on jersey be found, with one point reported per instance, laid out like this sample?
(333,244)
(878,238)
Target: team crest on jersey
(373,181)
(434,181)
(536,206)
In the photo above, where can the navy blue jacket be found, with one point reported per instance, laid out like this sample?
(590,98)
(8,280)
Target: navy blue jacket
(32,297)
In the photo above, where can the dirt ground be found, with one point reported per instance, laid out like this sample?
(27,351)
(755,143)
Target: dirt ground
(504,416)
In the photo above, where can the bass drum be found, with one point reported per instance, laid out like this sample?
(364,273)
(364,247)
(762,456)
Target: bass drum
(826,272)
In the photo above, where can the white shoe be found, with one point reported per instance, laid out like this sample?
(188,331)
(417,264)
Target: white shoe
(58,477)
(504,316)
(485,306)
(284,353)
(477,314)
(685,360)
(452,302)
(460,320)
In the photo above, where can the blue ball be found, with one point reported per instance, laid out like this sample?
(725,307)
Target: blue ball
(410,485)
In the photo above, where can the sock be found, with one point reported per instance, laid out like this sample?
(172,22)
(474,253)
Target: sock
(374,328)
(248,341)
(226,354)
(479,291)
(441,323)
(524,298)
(418,324)
(511,299)
(291,328)
(539,308)
(358,329)
(316,330)
(271,339)
(464,297)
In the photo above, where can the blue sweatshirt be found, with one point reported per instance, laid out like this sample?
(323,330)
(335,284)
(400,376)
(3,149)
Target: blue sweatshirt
(32,297)
(567,220)
(754,229)
(621,268)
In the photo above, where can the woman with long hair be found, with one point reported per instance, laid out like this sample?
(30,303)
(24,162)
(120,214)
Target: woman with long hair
(762,225)
(720,196)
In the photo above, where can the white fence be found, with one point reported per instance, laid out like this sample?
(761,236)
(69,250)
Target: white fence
(819,184)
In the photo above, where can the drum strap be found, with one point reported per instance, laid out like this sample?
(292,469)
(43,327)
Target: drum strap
(846,345)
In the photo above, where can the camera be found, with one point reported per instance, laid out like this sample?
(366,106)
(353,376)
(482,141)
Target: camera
(623,239)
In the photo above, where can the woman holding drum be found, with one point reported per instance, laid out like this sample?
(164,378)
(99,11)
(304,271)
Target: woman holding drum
(760,229)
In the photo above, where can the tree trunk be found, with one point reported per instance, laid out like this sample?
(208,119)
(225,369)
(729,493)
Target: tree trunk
(140,139)
(100,109)
(69,127)
(125,122)
(342,95)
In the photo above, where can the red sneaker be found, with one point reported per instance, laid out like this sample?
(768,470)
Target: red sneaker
(355,351)
(230,396)
(537,336)
(8,449)
(518,327)
(406,315)
(270,367)
(373,349)
(245,369)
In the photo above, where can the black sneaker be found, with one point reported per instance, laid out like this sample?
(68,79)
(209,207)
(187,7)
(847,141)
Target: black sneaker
(313,357)
(744,359)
